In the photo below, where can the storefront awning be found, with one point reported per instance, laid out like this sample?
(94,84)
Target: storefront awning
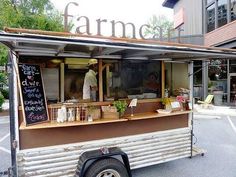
(54,44)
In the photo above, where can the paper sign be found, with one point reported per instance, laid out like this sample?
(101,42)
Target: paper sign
(190,106)
(175,105)
(133,102)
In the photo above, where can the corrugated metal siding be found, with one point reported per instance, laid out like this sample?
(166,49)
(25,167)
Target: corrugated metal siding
(143,150)
(192,16)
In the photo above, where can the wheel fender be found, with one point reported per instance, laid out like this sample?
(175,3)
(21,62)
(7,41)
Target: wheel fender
(90,157)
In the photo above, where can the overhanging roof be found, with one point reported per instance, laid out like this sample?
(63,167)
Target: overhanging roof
(169,3)
(69,45)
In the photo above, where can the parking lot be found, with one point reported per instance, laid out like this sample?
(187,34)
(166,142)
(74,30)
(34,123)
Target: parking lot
(216,134)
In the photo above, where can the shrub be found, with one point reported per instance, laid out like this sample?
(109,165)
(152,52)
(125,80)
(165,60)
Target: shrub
(5,93)
(1,100)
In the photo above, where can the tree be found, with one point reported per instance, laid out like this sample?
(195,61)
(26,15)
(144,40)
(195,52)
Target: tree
(30,14)
(159,28)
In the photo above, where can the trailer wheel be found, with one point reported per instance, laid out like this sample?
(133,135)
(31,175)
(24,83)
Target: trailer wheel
(107,168)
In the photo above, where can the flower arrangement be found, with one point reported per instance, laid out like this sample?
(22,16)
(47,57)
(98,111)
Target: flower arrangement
(166,101)
(183,102)
(181,99)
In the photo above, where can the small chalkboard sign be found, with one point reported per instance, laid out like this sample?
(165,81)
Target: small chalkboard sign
(34,105)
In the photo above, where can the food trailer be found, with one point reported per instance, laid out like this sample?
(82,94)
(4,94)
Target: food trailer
(55,132)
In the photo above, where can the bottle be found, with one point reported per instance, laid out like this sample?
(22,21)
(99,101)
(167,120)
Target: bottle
(78,114)
(64,113)
(82,115)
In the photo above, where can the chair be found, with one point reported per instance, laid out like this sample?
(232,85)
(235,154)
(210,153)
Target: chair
(207,101)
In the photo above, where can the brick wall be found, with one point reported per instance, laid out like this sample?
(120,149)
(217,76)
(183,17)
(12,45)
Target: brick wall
(224,33)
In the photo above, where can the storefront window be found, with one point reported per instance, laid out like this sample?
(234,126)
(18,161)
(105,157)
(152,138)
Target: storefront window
(222,12)
(232,66)
(197,80)
(233,10)
(217,69)
(197,70)
(209,1)
(210,17)
(132,79)
(217,83)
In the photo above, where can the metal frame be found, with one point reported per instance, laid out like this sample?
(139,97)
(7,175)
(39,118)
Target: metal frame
(228,85)
(164,50)
(13,107)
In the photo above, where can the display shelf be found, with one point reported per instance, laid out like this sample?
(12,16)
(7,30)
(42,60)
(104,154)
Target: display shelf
(151,115)
(138,116)
(54,124)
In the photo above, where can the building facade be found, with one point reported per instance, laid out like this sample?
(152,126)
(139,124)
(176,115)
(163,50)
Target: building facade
(213,22)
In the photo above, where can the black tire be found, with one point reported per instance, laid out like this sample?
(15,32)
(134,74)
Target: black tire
(102,168)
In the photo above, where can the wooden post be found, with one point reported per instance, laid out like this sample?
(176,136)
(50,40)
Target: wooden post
(162,79)
(100,80)
(62,82)
(107,80)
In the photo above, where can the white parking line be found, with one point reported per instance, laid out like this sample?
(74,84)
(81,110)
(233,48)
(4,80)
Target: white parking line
(231,123)
(203,116)
(3,138)
(5,150)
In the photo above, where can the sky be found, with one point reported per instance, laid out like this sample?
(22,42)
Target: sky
(135,11)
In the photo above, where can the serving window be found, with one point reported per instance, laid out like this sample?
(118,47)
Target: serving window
(121,79)
(131,79)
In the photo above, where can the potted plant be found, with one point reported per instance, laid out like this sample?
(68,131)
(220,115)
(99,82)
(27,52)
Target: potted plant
(120,106)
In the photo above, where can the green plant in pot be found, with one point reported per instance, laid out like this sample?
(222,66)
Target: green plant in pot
(120,106)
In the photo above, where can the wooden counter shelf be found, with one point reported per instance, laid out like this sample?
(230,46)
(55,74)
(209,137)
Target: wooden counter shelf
(138,116)
(55,124)
(152,115)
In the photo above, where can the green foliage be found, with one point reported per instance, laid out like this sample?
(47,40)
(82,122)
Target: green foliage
(5,93)
(120,106)
(30,14)
(3,78)
(3,55)
(1,101)
(157,22)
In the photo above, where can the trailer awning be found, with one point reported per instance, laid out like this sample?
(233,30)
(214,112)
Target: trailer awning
(54,44)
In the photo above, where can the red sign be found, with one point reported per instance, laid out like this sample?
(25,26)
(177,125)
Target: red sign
(179,18)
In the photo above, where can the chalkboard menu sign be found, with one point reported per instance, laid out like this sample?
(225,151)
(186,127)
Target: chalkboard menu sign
(32,94)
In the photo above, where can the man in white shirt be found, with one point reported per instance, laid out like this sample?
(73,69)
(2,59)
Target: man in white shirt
(90,81)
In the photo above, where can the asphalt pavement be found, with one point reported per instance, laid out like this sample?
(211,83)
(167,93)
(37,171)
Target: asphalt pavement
(218,138)
(5,155)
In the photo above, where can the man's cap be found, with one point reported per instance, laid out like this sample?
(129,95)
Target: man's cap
(92,61)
